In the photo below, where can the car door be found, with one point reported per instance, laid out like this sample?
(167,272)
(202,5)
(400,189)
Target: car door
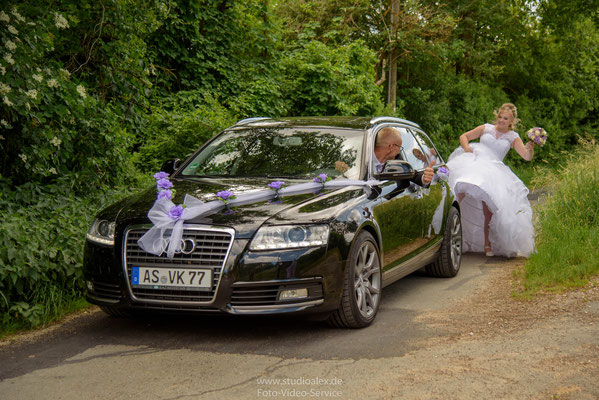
(400,209)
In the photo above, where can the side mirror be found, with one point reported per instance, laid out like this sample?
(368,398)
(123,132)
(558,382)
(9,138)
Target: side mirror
(396,170)
(171,165)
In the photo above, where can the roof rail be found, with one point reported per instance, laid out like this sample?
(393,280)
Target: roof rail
(248,120)
(378,120)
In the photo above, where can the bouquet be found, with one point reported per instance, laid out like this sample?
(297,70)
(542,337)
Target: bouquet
(537,135)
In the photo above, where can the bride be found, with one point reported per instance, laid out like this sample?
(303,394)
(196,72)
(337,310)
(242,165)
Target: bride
(496,214)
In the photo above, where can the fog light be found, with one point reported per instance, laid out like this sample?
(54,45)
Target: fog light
(293,294)
(90,285)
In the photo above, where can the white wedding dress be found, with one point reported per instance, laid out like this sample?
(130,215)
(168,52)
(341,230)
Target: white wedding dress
(482,176)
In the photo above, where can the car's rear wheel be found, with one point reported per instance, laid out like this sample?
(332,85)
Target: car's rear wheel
(449,258)
(362,286)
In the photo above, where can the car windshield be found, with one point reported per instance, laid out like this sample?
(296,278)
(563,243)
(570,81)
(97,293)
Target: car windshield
(301,152)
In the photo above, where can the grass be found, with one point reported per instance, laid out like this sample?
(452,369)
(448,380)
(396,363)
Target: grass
(57,312)
(567,225)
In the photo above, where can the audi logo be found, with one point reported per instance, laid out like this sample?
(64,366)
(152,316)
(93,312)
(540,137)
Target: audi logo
(186,246)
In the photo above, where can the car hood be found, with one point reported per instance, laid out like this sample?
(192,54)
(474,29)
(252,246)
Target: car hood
(322,206)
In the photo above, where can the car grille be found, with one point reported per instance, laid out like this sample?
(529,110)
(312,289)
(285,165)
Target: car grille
(212,247)
(267,294)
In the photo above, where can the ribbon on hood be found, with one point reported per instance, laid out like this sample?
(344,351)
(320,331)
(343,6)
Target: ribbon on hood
(167,231)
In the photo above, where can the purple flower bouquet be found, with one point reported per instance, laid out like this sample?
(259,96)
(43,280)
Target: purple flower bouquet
(537,135)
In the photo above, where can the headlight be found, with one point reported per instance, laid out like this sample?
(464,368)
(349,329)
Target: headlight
(290,236)
(102,232)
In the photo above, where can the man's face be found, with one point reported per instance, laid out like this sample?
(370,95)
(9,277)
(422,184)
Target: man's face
(392,148)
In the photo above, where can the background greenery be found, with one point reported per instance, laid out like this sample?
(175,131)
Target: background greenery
(568,225)
(94,95)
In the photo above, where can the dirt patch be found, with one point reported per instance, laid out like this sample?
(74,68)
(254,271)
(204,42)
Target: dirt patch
(492,310)
(30,336)
(498,346)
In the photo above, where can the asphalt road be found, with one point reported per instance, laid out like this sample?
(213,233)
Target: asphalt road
(96,356)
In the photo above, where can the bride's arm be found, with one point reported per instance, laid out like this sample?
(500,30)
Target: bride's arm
(526,152)
(470,135)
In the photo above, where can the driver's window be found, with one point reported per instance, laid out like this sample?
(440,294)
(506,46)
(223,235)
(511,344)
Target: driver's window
(412,152)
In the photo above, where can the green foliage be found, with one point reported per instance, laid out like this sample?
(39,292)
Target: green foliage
(42,231)
(178,126)
(330,22)
(53,122)
(449,107)
(212,46)
(323,80)
(261,97)
(567,243)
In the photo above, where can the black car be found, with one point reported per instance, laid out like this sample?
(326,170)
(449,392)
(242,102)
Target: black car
(328,251)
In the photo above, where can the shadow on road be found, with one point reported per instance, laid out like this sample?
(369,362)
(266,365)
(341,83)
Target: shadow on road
(394,332)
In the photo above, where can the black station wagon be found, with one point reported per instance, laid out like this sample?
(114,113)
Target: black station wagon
(328,251)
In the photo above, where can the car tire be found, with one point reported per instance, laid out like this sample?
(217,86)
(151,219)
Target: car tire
(449,258)
(362,286)
(115,312)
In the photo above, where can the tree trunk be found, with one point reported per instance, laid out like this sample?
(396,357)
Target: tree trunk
(392,82)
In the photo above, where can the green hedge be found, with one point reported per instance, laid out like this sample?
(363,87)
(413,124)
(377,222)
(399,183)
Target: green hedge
(42,231)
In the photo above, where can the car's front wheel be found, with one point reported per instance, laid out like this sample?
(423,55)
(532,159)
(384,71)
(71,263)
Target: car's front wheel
(362,286)
(449,259)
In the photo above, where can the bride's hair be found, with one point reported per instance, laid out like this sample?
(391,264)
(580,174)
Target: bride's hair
(508,107)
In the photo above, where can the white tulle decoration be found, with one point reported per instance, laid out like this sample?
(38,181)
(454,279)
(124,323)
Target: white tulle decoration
(167,231)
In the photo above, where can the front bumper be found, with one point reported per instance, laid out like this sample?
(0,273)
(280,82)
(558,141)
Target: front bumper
(247,283)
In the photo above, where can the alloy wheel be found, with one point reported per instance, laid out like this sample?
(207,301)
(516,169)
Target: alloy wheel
(367,279)
(456,241)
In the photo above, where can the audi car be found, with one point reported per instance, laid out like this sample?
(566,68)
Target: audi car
(328,251)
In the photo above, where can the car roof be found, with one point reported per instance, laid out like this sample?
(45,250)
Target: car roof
(360,123)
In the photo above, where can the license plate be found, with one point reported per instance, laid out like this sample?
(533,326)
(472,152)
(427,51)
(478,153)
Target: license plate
(160,278)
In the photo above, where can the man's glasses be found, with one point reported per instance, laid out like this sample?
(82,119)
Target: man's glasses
(400,147)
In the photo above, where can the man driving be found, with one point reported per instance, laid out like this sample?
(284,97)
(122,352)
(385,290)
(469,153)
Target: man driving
(387,146)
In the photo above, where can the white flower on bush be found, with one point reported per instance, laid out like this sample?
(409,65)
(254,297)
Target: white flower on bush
(13,30)
(64,73)
(8,58)
(23,157)
(2,69)
(4,123)
(81,91)
(7,101)
(61,22)
(1,137)
(4,17)
(38,78)
(4,88)
(31,93)
(53,171)
(10,45)
(56,141)
(18,16)
(52,83)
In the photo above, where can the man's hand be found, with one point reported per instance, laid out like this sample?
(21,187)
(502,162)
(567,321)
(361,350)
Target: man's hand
(427,177)
(341,166)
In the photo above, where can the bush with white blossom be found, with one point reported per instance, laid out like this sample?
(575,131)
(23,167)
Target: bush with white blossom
(43,102)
